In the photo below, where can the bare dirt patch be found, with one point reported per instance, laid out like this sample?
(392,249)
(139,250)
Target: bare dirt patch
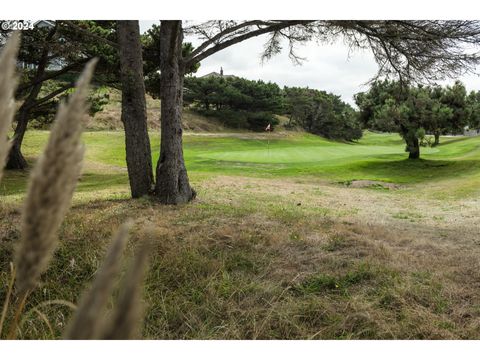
(373,184)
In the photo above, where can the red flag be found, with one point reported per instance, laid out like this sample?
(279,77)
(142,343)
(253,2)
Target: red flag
(268,128)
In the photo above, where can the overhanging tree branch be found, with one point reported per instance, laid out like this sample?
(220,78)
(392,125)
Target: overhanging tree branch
(250,34)
(224,33)
(51,95)
(54,75)
(415,50)
(79,29)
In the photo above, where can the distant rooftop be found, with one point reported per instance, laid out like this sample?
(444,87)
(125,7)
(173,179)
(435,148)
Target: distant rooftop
(216,74)
(44,23)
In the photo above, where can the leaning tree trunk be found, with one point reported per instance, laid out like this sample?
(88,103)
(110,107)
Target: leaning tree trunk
(16,161)
(134,112)
(172,185)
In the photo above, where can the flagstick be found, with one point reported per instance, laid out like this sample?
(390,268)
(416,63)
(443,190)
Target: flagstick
(268,129)
(268,145)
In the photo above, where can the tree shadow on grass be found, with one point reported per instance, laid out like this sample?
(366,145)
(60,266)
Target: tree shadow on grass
(15,182)
(415,171)
(452,140)
(96,182)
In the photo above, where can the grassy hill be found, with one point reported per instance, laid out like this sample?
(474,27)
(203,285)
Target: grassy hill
(281,242)
(109,117)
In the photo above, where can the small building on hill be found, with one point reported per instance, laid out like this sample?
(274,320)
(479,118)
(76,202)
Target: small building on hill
(219,75)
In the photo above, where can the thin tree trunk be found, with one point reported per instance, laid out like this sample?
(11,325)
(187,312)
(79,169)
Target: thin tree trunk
(16,161)
(134,112)
(172,185)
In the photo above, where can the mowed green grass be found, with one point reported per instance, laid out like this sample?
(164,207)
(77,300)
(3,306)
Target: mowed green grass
(304,156)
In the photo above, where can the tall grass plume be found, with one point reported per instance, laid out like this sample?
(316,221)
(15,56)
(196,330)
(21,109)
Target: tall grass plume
(127,315)
(52,183)
(8,84)
(86,323)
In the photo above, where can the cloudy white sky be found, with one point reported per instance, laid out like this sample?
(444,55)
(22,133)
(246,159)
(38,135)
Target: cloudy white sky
(327,67)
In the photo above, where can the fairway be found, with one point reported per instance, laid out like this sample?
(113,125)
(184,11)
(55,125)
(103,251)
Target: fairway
(377,157)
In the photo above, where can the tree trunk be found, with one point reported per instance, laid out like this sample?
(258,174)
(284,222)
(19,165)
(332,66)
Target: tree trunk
(413,147)
(134,112)
(16,161)
(411,139)
(172,185)
(437,138)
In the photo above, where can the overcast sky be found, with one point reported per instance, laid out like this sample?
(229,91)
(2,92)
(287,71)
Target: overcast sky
(327,67)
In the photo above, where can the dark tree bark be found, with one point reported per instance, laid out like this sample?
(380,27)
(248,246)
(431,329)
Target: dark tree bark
(413,147)
(16,161)
(411,139)
(134,112)
(437,138)
(172,185)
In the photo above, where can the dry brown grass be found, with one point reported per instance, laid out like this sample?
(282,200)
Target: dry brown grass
(50,191)
(109,117)
(246,261)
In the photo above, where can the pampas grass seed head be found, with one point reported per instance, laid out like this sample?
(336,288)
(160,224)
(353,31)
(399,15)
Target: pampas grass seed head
(8,83)
(51,187)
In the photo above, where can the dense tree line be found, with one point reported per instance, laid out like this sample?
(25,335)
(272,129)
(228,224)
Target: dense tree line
(238,102)
(321,113)
(473,106)
(248,104)
(414,111)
